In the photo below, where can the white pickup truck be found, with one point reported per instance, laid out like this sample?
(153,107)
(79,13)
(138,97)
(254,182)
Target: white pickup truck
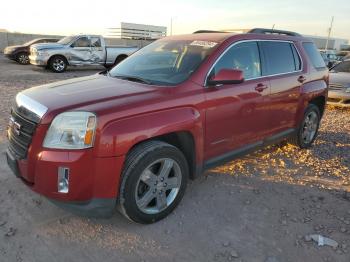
(78,50)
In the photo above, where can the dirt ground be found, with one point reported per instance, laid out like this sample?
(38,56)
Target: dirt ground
(262,207)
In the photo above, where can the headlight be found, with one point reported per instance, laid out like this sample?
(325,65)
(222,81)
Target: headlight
(71,130)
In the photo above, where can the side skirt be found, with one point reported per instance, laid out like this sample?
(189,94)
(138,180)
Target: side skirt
(222,159)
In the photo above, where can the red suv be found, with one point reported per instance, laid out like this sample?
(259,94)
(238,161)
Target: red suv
(133,136)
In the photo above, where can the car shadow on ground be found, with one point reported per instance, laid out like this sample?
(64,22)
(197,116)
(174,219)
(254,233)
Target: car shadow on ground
(250,205)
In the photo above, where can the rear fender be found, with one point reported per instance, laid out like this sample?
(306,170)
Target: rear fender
(309,91)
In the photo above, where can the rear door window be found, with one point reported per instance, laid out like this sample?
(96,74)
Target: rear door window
(314,55)
(243,56)
(280,57)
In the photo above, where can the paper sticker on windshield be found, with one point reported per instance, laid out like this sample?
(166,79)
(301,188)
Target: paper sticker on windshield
(205,44)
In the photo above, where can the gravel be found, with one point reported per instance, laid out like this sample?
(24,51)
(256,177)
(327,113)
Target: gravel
(260,208)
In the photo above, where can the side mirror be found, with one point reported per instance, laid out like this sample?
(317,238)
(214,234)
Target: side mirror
(226,76)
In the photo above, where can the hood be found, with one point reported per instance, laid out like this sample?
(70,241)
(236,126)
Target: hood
(45,46)
(339,78)
(91,93)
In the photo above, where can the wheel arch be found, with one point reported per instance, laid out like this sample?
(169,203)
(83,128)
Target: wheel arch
(320,102)
(21,52)
(184,141)
(57,55)
(120,58)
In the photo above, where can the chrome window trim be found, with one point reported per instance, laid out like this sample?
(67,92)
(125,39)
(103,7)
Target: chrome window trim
(257,40)
(31,105)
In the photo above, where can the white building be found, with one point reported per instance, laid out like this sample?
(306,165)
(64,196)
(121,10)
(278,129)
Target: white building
(333,44)
(137,31)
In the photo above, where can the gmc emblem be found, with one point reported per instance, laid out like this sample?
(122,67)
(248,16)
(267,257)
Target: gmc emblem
(16,127)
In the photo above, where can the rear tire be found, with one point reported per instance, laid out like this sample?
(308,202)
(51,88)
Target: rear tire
(153,183)
(22,58)
(58,64)
(308,130)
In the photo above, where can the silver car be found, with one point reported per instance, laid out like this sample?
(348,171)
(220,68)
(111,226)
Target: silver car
(78,50)
(339,85)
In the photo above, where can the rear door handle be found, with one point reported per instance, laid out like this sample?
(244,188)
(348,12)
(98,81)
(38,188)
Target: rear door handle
(301,79)
(261,87)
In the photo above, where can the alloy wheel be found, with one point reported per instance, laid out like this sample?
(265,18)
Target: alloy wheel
(58,64)
(310,127)
(23,59)
(158,186)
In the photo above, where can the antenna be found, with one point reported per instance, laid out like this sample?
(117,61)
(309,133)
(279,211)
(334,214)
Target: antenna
(329,34)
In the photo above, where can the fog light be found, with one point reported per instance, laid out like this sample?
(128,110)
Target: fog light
(63,180)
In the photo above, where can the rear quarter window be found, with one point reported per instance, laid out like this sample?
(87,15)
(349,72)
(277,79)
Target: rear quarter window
(280,57)
(314,55)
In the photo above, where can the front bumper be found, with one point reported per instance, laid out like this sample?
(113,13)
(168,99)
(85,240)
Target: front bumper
(93,181)
(37,60)
(338,98)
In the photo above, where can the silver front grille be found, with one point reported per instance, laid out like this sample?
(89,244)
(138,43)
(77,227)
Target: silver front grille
(25,116)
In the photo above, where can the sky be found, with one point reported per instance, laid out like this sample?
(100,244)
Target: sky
(65,17)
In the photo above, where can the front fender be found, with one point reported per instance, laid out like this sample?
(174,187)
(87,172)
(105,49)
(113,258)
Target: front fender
(119,136)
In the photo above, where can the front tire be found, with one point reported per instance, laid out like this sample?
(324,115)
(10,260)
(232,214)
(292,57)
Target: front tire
(22,58)
(153,183)
(308,130)
(58,64)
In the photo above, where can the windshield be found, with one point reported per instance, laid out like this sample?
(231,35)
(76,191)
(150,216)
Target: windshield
(66,40)
(342,67)
(165,62)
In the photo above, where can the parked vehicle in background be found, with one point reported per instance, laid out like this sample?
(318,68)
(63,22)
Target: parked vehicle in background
(78,50)
(343,55)
(20,53)
(339,85)
(346,57)
(329,57)
(132,137)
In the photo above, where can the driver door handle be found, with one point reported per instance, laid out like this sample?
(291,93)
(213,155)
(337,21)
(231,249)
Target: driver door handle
(261,87)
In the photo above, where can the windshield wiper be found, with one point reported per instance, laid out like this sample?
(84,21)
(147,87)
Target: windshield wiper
(134,79)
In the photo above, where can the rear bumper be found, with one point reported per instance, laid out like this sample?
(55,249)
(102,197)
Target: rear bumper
(338,98)
(93,181)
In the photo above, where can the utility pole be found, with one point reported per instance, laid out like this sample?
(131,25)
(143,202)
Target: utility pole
(329,33)
(171,26)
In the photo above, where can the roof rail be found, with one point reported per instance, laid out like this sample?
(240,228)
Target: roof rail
(207,31)
(272,31)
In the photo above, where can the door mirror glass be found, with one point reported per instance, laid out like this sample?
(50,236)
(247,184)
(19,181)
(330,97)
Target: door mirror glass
(227,76)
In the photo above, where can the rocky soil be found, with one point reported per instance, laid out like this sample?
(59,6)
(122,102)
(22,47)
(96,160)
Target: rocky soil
(263,207)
